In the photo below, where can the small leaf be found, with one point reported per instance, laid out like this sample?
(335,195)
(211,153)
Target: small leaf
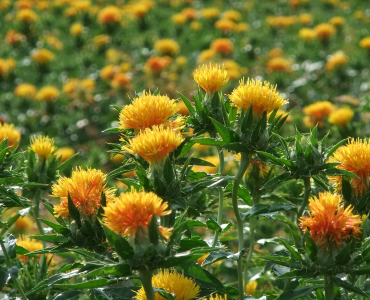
(277,180)
(188,105)
(349,287)
(73,211)
(213,225)
(123,248)
(311,247)
(299,293)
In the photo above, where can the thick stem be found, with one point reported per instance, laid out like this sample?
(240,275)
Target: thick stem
(9,265)
(306,196)
(252,228)
(245,160)
(329,288)
(146,280)
(220,194)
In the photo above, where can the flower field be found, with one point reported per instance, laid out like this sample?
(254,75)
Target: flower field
(184,149)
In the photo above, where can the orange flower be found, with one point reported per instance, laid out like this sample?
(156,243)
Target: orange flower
(211,78)
(329,221)
(223,46)
(325,31)
(85,189)
(354,157)
(109,15)
(131,213)
(157,64)
(278,64)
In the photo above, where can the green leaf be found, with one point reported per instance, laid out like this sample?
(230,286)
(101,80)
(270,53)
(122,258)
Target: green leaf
(188,105)
(303,273)
(207,141)
(121,245)
(117,108)
(89,284)
(194,161)
(242,193)
(153,231)
(346,189)
(227,135)
(58,228)
(163,293)
(119,270)
(292,251)
(71,295)
(213,225)
(349,287)
(247,121)
(255,210)
(339,172)
(177,260)
(51,238)
(121,170)
(331,150)
(277,180)
(311,247)
(216,256)
(344,256)
(67,163)
(4,274)
(299,293)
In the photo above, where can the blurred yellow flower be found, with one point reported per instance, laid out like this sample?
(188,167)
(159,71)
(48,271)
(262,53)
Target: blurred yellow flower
(65,153)
(232,15)
(25,90)
(278,64)
(24,224)
(27,16)
(324,31)
(101,40)
(82,5)
(76,29)
(42,56)
(337,21)
(251,288)
(6,66)
(317,111)
(281,21)
(157,64)
(30,245)
(179,19)
(206,55)
(365,43)
(47,93)
(189,13)
(223,46)
(241,27)
(305,19)
(341,116)
(307,34)
(225,25)
(121,81)
(338,59)
(109,15)
(43,146)
(167,47)
(7,131)
(195,25)
(210,13)
(209,170)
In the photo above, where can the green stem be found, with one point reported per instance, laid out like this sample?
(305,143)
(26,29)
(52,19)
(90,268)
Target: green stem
(244,163)
(306,196)
(220,193)
(146,280)
(36,212)
(252,228)
(9,265)
(361,281)
(329,288)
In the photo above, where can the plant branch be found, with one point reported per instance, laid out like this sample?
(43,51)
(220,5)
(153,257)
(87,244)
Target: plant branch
(146,280)
(306,196)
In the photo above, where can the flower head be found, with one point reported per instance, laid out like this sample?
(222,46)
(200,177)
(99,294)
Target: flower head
(354,157)
(154,144)
(109,15)
(27,16)
(25,90)
(175,283)
(157,64)
(43,146)
(341,116)
(318,110)
(336,60)
(307,34)
(329,221)
(225,25)
(210,13)
(30,245)
(250,289)
(47,93)
(365,43)
(211,77)
(24,224)
(337,21)
(325,31)
(222,45)
(85,189)
(263,96)
(131,213)
(76,29)
(146,111)
(7,131)
(278,64)
(216,297)
(42,56)
(65,153)
(167,47)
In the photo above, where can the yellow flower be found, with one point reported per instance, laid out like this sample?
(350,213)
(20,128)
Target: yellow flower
(337,21)
(206,55)
(263,97)
(209,170)
(101,40)
(354,157)
(225,25)
(131,213)
(178,19)
(328,221)
(325,31)
(318,110)
(281,21)
(338,59)
(6,66)
(278,64)
(157,64)
(82,5)
(189,13)
(76,29)
(251,288)
(70,12)
(281,113)
(42,56)
(65,153)
(109,15)
(25,90)
(24,224)
(54,42)
(85,189)
(154,144)
(341,116)
(210,13)
(167,47)
(241,27)
(30,245)
(222,45)
(27,16)
(146,111)
(47,93)
(307,34)
(232,15)
(7,131)
(181,61)
(195,25)
(305,19)
(365,43)
(211,77)
(175,283)
(43,146)
(121,82)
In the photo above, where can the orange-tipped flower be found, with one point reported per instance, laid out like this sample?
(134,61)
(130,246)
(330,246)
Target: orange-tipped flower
(7,131)
(131,213)
(329,221)
(43,146)
(263,96)
(223,46)
(109,15)
(354,157)
(154,144)
(85,189)
(181,287)
(146,111)
(211,77)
